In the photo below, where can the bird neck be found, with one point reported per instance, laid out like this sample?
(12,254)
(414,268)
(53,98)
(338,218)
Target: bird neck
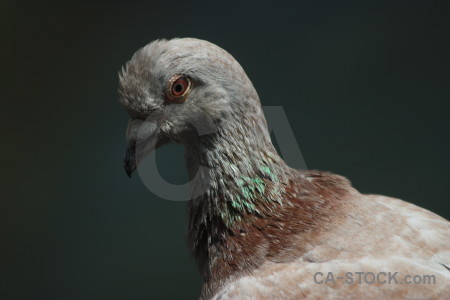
(247,200)
(233,170)
(235,174)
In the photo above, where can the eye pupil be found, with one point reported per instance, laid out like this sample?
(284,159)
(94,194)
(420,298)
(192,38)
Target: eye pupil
(178,88)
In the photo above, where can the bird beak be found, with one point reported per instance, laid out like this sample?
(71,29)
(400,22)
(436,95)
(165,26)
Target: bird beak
(141,140)
(129,160)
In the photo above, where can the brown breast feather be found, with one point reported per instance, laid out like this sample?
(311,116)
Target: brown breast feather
(325,224)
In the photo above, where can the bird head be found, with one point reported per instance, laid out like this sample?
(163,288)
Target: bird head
(176,90)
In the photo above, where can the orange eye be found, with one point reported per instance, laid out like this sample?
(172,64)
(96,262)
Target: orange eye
(178,88)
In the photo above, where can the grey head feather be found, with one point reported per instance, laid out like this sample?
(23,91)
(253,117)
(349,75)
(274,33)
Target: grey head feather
(222,99)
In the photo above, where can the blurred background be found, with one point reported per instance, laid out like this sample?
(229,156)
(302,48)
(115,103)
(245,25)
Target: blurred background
(365,85)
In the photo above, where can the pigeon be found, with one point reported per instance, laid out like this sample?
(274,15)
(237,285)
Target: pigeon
(257,228)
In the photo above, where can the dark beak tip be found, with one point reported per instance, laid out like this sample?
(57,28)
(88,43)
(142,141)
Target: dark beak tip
(129,161)
(128,170)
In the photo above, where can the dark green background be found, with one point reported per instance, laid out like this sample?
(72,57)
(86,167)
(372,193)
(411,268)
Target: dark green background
(365,86)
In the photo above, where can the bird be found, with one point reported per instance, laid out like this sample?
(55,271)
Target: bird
(257,228)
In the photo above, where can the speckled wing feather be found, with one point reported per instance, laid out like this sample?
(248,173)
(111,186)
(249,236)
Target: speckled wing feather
(377,234)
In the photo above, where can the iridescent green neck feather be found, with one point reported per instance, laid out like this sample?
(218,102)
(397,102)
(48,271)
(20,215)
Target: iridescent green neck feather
(241,173)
